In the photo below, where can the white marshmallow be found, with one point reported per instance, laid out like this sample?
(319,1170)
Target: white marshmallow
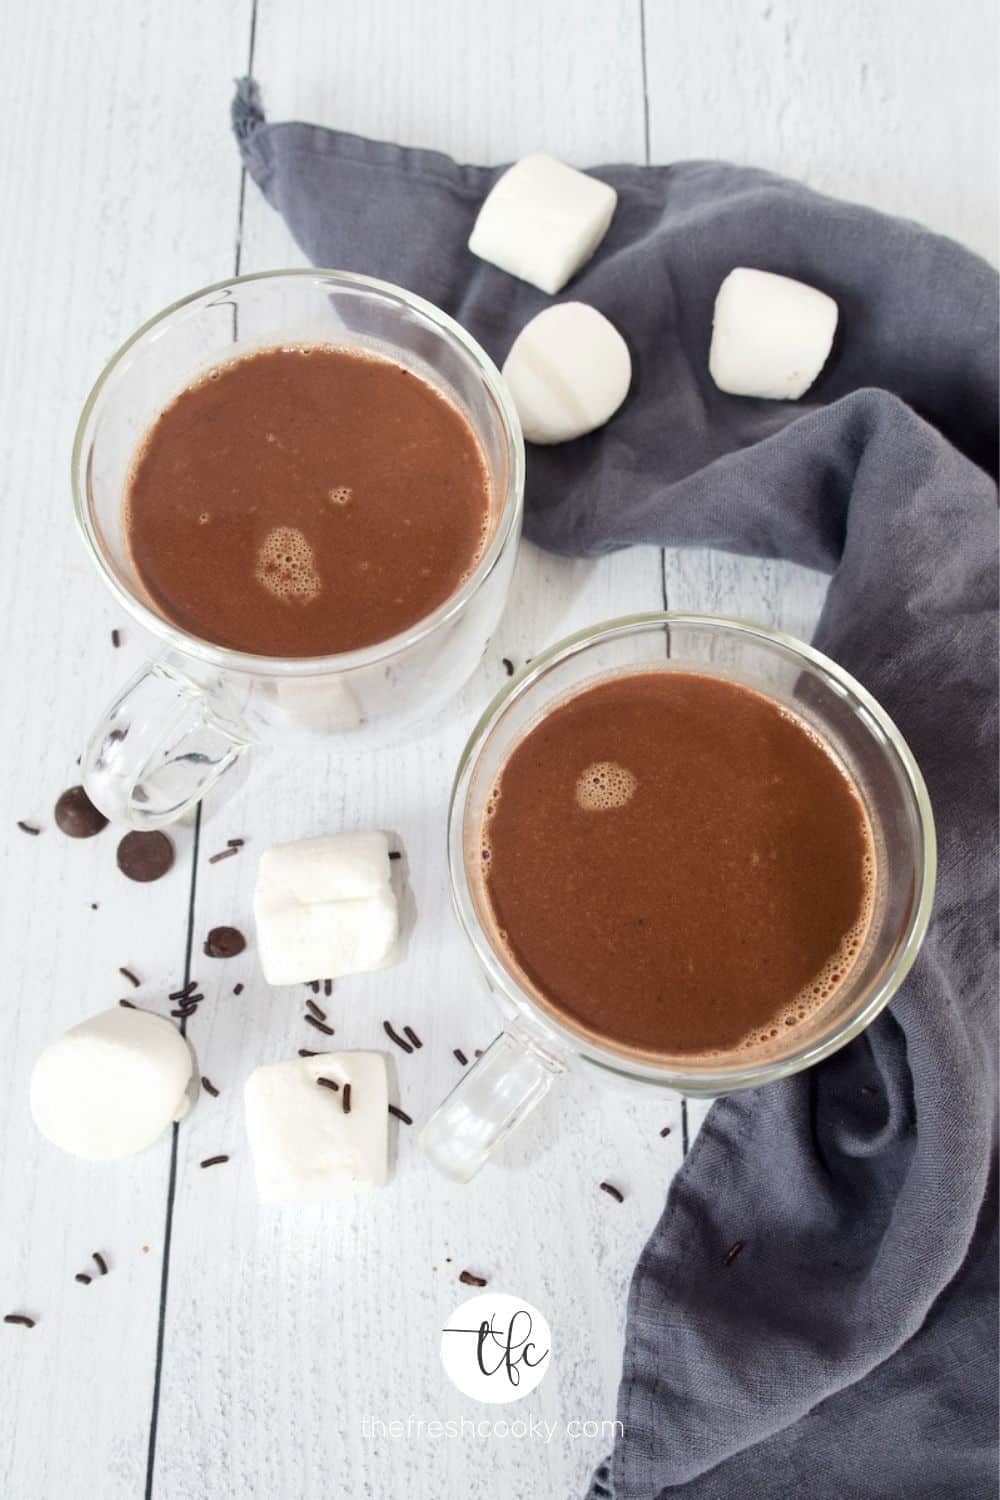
(305,1148)
(325,907)
(770,336)
(110,1086)
(568,371)
(542,221)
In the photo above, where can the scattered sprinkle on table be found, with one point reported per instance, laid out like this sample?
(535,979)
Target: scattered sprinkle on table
(732,1253)
(318,1025)
(395,854)
(478,1052)
(237,989)
(457,1052)
(394,1036)
(116,638)
(314,986)
(612,1191)
(315,1010)
(223,854)
(469,1278)
(409,1032)
(82,1278)
(99,1262)
(214,1161)
(224,942)
(28,828)
(133,979)
(346,1098)
(209,1087)
(508,666)
(21,1318)
(400,1114)
(127,1004)
(328,1083)
(304,1052)
(235,843)
(665,1130)
(188,989)
(328,987)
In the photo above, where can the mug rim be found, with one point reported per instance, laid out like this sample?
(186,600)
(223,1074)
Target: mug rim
(342,661)
(698,1081)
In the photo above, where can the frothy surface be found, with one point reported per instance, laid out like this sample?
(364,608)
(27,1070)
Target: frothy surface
(304,500)
(677,866)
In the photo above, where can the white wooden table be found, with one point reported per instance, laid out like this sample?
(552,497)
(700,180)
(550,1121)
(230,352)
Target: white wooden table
(233,1353)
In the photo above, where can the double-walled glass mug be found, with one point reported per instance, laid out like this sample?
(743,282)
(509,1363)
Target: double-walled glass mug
(539,1041)
(193,712)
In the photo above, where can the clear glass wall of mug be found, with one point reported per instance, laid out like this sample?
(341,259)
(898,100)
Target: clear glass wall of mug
(538,1042)
(196,709)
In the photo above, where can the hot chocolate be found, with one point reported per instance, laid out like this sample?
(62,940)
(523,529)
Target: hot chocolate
(675,865)
(306,500)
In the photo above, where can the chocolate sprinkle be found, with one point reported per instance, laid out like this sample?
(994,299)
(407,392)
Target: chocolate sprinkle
(400,1114)
(732,1253)
(222,854)
(21,1318)
(83,1278)
(214,1161)
(76,816)
(315,1010)
(478,1052)
(28,828)
(665,1130)
(188,989)
(237,989)
(133,979)
(116,638)
(224,942)
(314,986)
(346,1098)
(469,1278)
(100,1262)
(235,843)
(319,1025)
(329,1083)
(127,1004)
(457,1052)
(145,856)
(612,1191)
(395,854)
(327,987)
(209,1087)
(394,1036)
(304,1052)
(409,1031)
(508,665)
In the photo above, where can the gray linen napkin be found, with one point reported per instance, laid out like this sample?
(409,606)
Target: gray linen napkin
(849,1350)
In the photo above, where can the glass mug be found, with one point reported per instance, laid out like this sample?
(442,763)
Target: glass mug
(538,1042)
(193,712)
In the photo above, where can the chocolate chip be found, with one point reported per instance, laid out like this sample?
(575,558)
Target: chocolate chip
(76,816)
(145,856)
(224,942)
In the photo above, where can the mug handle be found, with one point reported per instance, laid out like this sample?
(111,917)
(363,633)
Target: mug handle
(499,1091)
(157,750)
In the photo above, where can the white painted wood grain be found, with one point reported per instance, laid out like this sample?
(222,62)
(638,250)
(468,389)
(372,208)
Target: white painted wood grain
(93,122)
(893,104)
